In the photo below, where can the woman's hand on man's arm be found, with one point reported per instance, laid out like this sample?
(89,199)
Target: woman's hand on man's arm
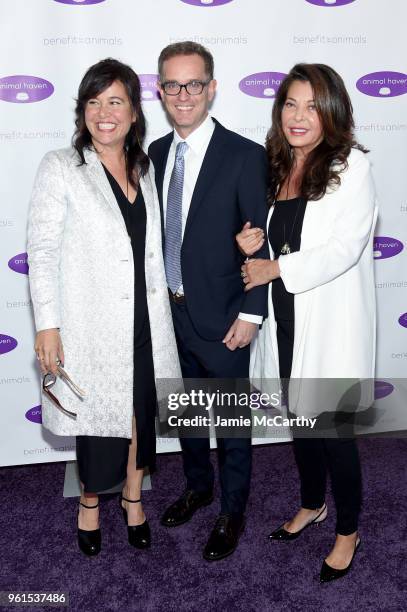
(257,272)
(250,239)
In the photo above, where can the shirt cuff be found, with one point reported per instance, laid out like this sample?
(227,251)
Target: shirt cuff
(251,318)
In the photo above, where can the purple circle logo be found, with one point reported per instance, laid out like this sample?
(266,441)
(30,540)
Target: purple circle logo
(23,89)
(384,247)
(402,320)
(149,89)
(18,263)
(383,84)
(206,2)
(330,2)
(7,344)
(79,1)
(382,389)
(262,84)
(34,415)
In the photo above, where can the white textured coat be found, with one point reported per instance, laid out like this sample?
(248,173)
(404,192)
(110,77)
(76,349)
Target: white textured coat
(82,281)
(332,279)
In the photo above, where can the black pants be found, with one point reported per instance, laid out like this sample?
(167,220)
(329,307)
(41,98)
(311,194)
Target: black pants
(202,359)
(316,457)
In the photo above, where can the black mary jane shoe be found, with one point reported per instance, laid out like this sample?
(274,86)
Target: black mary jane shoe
(90,542)
(139,535)
(329,573)
(282,535)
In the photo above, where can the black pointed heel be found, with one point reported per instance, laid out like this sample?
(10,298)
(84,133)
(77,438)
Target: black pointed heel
(90,542)
(282,535)
(139,535)
(329,573)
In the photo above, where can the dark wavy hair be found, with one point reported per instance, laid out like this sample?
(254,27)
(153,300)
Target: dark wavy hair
(97,78)
(335,112)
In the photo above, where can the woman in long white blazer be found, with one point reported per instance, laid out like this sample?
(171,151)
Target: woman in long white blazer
(100,296)
(321,287)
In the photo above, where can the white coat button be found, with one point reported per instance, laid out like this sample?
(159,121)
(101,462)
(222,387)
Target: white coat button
(153,290)
(125,296)
(151,254)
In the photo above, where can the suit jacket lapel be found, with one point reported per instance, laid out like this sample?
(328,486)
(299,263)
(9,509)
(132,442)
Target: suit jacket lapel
(160,162)
(210,166)
(159,166)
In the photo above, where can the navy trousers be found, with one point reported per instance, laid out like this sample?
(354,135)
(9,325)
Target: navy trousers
(201,359)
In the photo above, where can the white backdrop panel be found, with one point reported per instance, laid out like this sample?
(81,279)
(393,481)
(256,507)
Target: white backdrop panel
(57,40)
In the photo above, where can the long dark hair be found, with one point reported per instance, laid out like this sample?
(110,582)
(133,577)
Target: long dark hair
(335,112)
(97,78)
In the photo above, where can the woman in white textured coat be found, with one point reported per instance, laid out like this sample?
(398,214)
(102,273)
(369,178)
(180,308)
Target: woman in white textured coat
(321,288)
(100,296)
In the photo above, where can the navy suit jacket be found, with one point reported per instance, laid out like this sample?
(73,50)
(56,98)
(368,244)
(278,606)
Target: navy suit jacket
(231,189)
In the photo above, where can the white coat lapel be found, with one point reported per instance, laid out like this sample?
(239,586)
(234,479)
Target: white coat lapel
(147,189)
(267,226)
(99,179)
(315,226)
(314,231)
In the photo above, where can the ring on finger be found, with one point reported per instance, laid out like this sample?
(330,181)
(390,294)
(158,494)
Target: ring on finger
(243,274)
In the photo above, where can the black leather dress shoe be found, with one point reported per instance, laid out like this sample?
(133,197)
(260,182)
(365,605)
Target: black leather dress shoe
(90,542)
(282,535)
(139,536)
(224,537)
(329,573)
(185,507)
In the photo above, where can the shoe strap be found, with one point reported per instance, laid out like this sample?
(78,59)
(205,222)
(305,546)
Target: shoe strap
(324,507)
(89,507)
(131,501)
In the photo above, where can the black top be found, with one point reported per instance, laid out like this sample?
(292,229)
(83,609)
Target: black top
(135,218)
(285,227)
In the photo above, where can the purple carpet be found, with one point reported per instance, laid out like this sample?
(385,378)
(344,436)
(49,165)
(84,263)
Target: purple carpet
(39,550)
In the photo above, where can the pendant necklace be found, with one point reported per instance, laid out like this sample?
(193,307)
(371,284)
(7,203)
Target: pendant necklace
(286,249)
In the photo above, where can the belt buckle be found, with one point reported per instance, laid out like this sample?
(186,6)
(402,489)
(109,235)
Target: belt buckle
(178,298)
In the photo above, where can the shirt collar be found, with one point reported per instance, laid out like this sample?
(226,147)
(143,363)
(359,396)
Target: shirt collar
(199,137)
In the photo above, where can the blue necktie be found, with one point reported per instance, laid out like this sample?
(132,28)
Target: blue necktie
(173,224)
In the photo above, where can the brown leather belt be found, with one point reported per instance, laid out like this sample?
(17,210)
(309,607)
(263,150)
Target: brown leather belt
(177,298)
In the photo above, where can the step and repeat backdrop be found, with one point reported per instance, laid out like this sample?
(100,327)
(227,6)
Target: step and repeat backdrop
(46,46)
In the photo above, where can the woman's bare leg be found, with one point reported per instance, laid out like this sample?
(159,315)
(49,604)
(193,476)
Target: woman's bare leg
(132,488)
(88,519)
(301,519)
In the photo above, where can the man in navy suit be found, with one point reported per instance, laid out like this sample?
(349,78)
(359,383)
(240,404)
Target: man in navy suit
(210,182)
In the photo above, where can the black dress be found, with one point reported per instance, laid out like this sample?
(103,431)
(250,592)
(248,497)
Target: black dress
(102,461)
(315,457)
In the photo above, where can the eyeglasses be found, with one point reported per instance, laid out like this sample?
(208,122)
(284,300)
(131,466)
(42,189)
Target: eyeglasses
(49,381)
(193,88)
